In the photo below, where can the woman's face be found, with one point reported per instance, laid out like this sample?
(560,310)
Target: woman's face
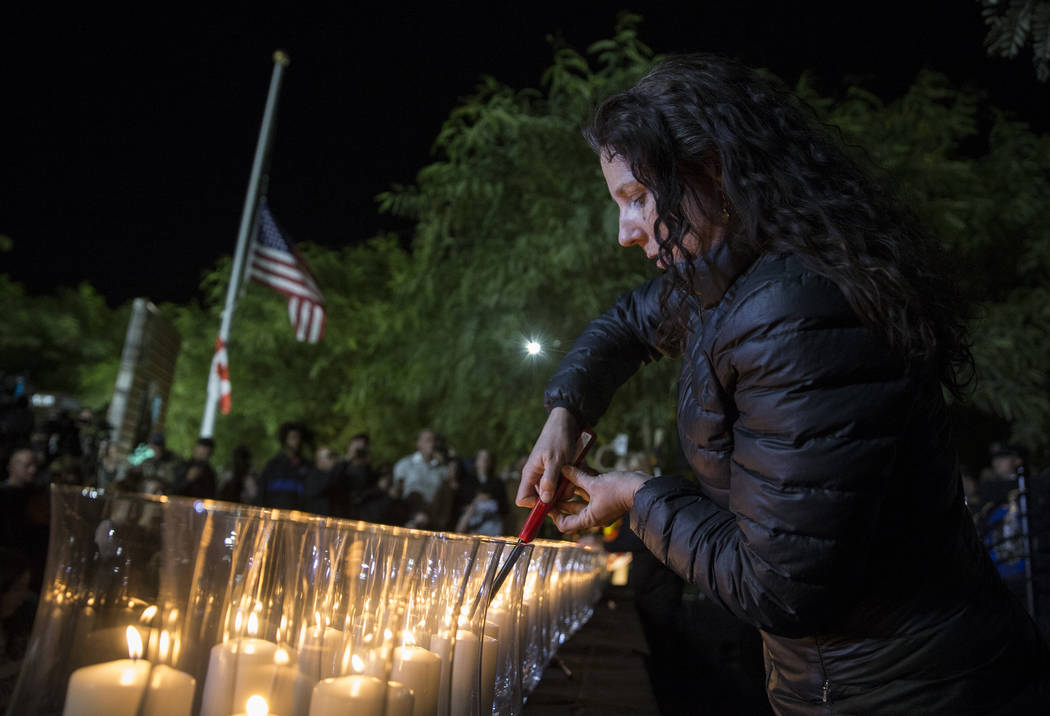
(638,212)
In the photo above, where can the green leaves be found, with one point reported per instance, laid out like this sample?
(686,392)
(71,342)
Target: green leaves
(515,239)
(1012,24)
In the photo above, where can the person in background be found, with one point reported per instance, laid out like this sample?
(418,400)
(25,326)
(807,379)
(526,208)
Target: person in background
(484,502)
(322,495)
(196,478)
(482,515)
(111,467)
(239,483)
(419,477)
(25,511)
(284,477)
(1000,477)
(163,467)
(357,475)
(21,468)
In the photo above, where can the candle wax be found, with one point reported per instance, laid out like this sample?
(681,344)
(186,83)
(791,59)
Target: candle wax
(357,694)
(114,688)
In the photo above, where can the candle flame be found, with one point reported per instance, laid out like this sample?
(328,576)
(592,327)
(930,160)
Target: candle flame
(148,613)
(408,639)
(358,663)
(165,644)
(253,624)
(256,706)
(134,643)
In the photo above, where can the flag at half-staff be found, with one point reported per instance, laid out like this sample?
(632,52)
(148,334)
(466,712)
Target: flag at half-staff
(275,262)
(219,394)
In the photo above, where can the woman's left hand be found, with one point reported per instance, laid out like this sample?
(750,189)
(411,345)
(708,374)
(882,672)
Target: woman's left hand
(608,496)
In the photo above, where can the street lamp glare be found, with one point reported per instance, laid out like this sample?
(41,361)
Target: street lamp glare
(533,348)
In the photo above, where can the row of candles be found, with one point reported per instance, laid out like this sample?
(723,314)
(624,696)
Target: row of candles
(265,612)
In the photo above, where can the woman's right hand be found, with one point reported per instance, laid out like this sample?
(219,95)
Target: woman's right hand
(553,449)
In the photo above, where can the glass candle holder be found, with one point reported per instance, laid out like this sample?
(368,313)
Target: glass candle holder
(168,606)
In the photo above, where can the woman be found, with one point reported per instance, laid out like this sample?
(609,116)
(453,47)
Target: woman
(816,332)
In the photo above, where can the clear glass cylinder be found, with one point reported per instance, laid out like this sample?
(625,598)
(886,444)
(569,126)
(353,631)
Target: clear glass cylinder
(166,606)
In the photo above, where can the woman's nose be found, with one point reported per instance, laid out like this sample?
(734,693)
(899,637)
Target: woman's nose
(631,234)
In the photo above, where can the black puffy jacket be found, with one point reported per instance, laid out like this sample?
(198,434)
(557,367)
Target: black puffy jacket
(828,510)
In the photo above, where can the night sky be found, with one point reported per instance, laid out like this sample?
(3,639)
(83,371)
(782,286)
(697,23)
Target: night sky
(128,139)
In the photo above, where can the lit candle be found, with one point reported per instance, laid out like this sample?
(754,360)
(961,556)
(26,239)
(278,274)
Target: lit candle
(114,688)
(399,699)
(357,694)
(420,670)
(240,669)
(256,706)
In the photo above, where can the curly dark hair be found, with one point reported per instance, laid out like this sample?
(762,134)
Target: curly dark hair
(705,134)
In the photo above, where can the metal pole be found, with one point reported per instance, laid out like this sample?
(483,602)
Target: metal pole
(1026,538)
(251,201)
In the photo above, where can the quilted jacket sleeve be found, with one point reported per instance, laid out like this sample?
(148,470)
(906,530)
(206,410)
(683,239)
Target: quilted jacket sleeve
(819,405)
(608,352)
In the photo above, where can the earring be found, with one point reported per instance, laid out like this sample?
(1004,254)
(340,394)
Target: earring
(725,208)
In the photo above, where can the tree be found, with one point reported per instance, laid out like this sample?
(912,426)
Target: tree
(986,195)
(1012,24)
(68,343)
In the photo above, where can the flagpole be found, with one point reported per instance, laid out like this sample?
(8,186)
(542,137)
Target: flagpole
(251,200)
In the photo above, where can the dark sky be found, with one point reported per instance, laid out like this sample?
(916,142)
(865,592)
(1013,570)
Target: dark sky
(127,140)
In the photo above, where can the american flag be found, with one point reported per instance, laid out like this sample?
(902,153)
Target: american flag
(274,262)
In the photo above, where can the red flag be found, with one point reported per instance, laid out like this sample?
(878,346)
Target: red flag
(219,379)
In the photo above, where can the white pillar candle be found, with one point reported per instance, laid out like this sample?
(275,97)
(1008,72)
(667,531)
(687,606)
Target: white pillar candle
(114,688)
(399,699)
(358,695)
(243,668)
(464,672)
(489,663)
(441,644)
(320,653)
(169,693)
(420,670)
(464,675)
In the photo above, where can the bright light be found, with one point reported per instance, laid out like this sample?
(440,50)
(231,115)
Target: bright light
(257,706)
(134,642)
(533,348)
